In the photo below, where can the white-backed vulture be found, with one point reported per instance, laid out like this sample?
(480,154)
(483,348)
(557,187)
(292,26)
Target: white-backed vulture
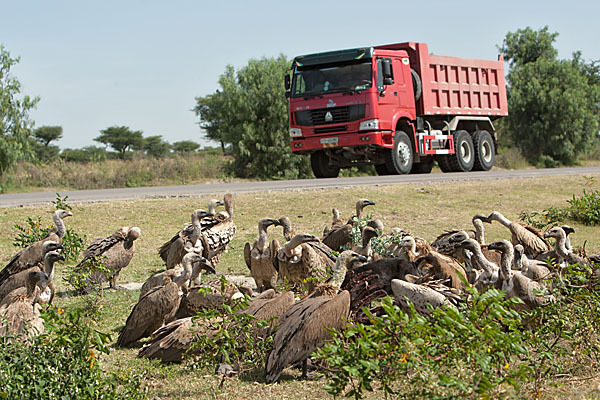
(20,315)
(216,236)
(182,242)
(561,250)
(533,269)
(341,236)
(464,256)
(153,310)
(212,295)
(319,247)
(33,254)
(444,268)
(419,295)
(114,252)
(530,238)
(515,284)
(481,272)
(172,341)
(364,249)
(336,221)
(300,264)
(443,243)
(260,257)
(305,326)
(192,265)
(19,280)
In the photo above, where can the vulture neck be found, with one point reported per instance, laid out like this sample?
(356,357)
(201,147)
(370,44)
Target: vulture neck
(506,261)
(561,245)
(262,236)
(229,205)
(339,272)
(479,231)
(185,274)
(212,206)
(518,263)
(480,259)
(288,233)
(291,245)
(359,208)
(49,268)
(496,216)
(336,215)
(60,225)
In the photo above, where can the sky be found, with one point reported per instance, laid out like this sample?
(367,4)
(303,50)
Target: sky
(142,63)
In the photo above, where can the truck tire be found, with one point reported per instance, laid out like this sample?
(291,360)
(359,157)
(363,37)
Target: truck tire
(400,159)
(321,166)
(444,164)
(381,170)
(424,167)
(417,86)
(484,150)
(464,156)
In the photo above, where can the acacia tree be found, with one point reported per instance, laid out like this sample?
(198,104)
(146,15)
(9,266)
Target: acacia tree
(554,104)
(248,114)
(156,147)
(47,134)
(15,125)
(185,146)
(121,139)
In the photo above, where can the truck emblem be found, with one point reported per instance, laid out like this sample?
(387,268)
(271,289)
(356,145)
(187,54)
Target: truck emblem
(330,103)
(328,117)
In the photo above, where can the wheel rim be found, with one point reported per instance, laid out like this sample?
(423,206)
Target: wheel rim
(465,152)
(486,152)
(403,153)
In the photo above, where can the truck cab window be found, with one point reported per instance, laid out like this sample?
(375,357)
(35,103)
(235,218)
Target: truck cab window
(380,85)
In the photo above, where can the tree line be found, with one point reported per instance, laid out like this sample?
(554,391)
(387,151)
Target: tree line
(554,114)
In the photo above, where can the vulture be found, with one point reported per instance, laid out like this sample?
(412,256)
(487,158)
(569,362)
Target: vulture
(192,263)
(480,271)
(154,309)
(324,252)
(530,238)
(335,221)
(33,254)
(515,284)
(216,235)
(444,243)
(533,269)
(172,341)
(561,250)
(341,235)
(419,295)
(260,257)
(20,279)
(305,326)
(114,252)
(21,315)
(210,295)
(464,256)
(184,241)
(444,268)
(299,263)
(365,249)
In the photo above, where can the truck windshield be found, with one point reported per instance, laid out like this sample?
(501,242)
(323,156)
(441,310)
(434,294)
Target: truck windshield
(316,80)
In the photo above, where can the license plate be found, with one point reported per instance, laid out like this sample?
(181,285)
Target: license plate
(332,141)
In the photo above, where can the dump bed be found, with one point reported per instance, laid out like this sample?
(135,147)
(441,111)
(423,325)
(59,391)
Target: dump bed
(456,86)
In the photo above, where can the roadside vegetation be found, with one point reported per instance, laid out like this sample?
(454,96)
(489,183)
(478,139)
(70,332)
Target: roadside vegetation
(557,359)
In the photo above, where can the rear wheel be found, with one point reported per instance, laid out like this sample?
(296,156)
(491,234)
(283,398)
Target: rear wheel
(484,151)
(400,159)
(444,164)
(423,167)
(464,156)
(322,167)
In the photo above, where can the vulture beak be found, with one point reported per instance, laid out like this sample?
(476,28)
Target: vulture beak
(207,267)
(483,218)
(275,222)
(359,257)
(494,246)
(458,245)
(61,257)
(369,203)
(455,239)
(547,235)
(220,203)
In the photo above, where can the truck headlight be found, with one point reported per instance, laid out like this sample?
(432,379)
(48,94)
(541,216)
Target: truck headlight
(369,124)
(295,132)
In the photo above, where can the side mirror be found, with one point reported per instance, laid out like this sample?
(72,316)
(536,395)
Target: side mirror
(287,82)
(386,70)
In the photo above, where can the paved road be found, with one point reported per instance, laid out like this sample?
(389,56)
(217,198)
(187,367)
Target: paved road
(84,196)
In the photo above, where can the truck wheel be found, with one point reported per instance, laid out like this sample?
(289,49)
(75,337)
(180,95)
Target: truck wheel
(321,166)
(464,157)
(422,167)
(444,164)
(400,159)
(381,169)
(484,151)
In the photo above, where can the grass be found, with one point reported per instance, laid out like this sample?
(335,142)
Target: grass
(423,210)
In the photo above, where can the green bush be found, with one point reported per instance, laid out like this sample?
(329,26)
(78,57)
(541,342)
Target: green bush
(584,209)
(448,354)
(64,363)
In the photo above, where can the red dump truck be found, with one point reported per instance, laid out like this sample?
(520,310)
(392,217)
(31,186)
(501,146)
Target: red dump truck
(396,107)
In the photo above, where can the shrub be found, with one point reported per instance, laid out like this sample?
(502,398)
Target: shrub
(511,158)
(448,354)
(63,363)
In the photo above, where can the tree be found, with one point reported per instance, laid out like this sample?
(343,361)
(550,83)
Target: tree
(554,105)
(249,115)
(156,147)
(15,126)
(121,139)
(185,146)
(47,134)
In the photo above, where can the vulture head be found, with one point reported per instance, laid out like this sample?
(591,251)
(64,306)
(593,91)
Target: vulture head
(482,218)
(369,233)
(557,233)
(361,204)
(133,234)
(467,244)
(266,222)
(568,230)
(62,214)
(458,237)
(50,245)
(54,256)
(213,204)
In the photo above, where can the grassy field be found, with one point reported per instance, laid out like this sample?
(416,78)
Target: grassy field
(423,210)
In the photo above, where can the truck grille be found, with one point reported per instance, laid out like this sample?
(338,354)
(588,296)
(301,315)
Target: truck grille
(338,114)
(330,129)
